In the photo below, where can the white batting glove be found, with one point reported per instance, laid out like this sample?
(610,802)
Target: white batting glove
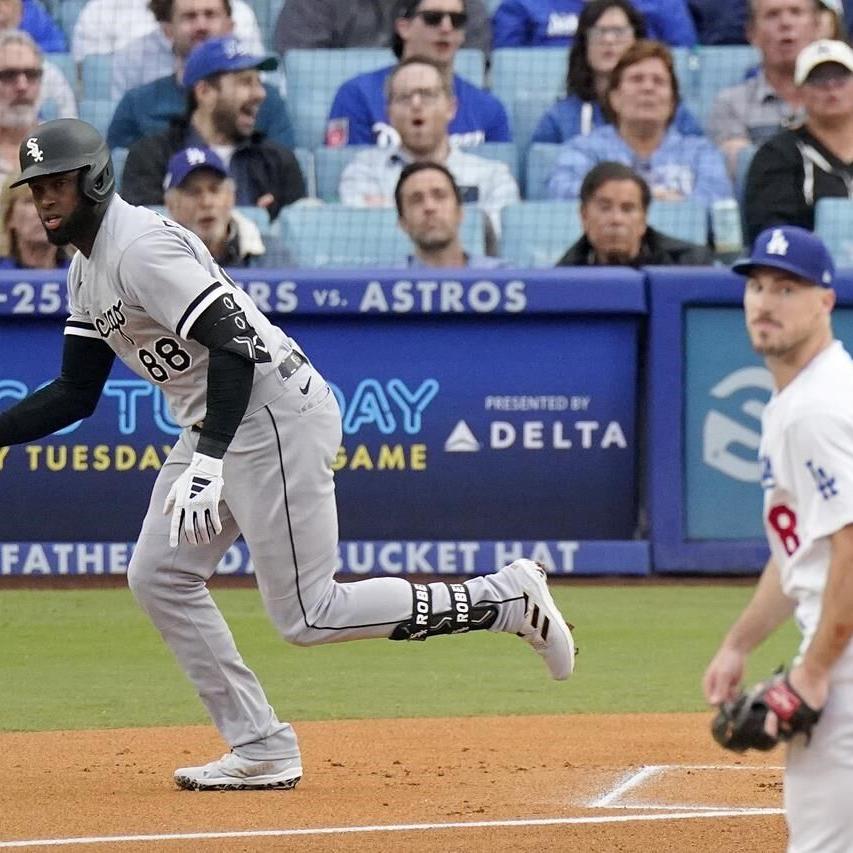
(193,501)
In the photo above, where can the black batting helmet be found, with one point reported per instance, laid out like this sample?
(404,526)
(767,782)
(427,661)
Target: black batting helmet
(64,145)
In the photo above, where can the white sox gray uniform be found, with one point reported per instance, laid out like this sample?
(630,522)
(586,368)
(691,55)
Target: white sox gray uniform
(151,292)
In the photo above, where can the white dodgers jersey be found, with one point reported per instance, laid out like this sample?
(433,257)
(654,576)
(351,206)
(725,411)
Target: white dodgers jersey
(806,457)
(145,284)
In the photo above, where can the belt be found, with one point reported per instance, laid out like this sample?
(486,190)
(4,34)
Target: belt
(289,365)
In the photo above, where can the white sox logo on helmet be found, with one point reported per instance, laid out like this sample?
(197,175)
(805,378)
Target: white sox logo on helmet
(33,149)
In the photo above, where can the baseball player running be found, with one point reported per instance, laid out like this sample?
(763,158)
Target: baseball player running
(806,457)
(261,429)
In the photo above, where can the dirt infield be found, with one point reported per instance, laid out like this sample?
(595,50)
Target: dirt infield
(583,783)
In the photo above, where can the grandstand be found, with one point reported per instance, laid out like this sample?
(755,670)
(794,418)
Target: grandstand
(526,80)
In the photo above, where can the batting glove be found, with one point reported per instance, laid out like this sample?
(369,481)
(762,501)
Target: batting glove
(193,501)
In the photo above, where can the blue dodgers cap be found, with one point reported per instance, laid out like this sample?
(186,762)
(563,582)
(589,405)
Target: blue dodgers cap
(223,54)
(792,249)
(187,161)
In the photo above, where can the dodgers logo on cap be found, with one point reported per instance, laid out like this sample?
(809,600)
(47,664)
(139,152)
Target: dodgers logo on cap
(792,249)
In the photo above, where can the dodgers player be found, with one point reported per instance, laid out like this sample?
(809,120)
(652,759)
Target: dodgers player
(806,456)
(261,430)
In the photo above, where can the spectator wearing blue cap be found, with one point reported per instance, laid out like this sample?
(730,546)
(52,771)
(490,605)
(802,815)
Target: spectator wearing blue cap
(200,196)
(147,79)
(798,166)
(225,95)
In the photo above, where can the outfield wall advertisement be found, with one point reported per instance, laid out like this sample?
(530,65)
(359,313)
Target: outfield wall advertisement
(483,419)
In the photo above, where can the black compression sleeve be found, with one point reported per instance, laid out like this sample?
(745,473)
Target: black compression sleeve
(86,364)
(229,386)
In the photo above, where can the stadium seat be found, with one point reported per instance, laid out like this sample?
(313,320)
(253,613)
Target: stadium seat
(506,152)
(541,157)
(537,233)
(329,164)
(68,12)
(703,71)
(834,224)
(119,156)
(524,72)
(686,220)
(97,112)
(96,77)
(313,78)
(526,114)
(305,159)
(66,64)
(335,236)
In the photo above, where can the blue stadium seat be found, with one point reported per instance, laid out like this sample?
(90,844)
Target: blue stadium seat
(266,11)
(97,76)
(524,72)
(505,152)
(541,157)
(335,236)
(314,77)
(537,233)
(526,114)
(66,64)
(329,163)
(97,112)
(834,224)
(119,156)
(68,12)
(305,158)
(686,220)
(703,71)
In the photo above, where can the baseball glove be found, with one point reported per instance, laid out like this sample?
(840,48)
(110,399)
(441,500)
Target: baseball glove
(740,724)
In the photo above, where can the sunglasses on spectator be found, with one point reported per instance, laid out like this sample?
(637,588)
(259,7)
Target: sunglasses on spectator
(11,75)
(434,17)
(617,33)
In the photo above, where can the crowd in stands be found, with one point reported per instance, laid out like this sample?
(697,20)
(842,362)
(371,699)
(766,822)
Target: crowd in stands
(192,96)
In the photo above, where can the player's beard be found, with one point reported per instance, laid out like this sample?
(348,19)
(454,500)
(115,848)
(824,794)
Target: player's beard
(83,221)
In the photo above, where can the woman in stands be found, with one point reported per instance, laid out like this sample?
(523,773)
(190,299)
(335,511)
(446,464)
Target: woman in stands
(23,244)
(641,100)
(606,29)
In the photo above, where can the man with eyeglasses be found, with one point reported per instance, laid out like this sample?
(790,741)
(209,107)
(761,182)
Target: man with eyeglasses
(553,23)
(20,90)
(359,23)
(421,107)
(796,168)
(434,29)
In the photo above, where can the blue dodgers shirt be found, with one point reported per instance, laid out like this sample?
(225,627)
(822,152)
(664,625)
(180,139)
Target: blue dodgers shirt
(358,115)
(530,23)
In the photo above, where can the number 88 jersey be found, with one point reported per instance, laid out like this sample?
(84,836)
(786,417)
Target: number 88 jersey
(141,290)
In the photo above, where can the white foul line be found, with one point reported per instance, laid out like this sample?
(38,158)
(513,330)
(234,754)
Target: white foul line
(628,782)
(632,780)
(403,827)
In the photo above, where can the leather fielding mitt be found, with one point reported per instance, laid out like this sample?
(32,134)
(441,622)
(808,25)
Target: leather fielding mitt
(739,725)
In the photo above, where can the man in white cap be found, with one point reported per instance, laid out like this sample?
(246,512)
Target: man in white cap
(806,459)
(814,160)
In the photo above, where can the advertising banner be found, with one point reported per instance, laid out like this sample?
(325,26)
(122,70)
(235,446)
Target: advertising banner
(708,390)
(503,412)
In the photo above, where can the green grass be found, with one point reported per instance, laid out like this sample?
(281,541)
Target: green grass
(88,659)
